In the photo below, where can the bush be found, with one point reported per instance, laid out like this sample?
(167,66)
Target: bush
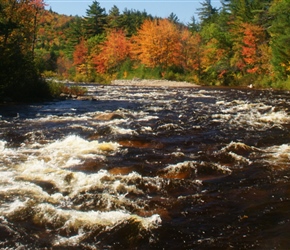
(49,74)
(77,90)
(125,69)
(281,84)
(57,88)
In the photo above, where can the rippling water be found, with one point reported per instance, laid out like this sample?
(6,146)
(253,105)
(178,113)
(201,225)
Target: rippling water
(147,168)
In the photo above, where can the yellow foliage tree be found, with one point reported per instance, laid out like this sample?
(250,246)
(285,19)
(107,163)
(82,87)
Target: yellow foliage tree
(157,43)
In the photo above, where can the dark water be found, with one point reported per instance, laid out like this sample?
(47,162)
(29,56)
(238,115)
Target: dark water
(147,168)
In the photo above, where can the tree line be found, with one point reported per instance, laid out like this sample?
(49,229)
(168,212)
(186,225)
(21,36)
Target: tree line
(243,42)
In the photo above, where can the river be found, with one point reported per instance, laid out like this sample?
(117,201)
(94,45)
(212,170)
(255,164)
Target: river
(147,168)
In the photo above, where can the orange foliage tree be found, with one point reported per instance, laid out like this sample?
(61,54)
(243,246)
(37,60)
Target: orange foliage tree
(19,22)
(80,57)
(157,43)
(253,50)
(113,51)
(191,51)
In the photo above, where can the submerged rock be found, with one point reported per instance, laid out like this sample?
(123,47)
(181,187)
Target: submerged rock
(108,116)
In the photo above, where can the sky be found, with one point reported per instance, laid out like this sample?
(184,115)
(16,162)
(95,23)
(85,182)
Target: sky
(183,9)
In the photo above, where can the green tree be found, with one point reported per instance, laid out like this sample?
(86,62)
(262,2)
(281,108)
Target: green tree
(114,18)
(216,44)
(193,25)
(207,12)
(131,20)
(254,11)
(95,20)
(280,38)
(173,18)
(74,34)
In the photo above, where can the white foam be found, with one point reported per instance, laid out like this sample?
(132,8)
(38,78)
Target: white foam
(239,158)
(275,117)
(123,131)
(62,179)
(179,167)
(238,146)
(256,116)
(279,153)
(2,145)
(146,129)
(147,118)
(76,220)
(222,168)
(70,151)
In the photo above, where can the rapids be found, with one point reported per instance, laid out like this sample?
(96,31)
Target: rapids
(147,168)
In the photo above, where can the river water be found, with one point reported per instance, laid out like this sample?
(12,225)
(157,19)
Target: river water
(147,168)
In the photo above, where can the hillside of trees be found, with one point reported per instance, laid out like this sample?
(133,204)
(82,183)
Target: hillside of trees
(243,42)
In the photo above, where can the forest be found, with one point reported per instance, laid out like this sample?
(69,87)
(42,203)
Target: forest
(244,42)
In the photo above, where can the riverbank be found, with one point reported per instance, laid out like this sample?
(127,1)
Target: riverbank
(152,83)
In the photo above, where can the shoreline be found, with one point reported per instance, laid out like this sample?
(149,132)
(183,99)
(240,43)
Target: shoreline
(153,83)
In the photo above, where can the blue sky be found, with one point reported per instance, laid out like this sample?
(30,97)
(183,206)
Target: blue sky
(184,9)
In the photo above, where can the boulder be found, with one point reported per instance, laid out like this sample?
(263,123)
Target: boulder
(108,116)
(140,144)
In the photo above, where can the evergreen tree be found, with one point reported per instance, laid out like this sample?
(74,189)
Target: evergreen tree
(193,25)
(131,20)
(113,19)
(173,18)
(260,12)
(280,38)
(207,12)
(74,34)
(247,10)
(95,20)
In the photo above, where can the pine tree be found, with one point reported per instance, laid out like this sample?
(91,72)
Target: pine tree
(207,12)
(280,38)
(114,20)
(173,18)
(193,25)
(95,20)
(131,20)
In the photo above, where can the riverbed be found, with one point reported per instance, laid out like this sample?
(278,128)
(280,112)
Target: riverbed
(139,167)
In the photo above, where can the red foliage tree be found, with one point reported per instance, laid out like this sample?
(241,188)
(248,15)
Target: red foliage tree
(80,57)
(113,52)
(251,51)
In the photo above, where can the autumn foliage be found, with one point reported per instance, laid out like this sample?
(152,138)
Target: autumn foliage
(157,43)
(19,78)
(239,44)
(252,49)
(114,51)
(80,57)
(230,46)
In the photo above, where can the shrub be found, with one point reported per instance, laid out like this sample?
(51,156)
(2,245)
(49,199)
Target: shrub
(77,90)
(57,88)
(281,84)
